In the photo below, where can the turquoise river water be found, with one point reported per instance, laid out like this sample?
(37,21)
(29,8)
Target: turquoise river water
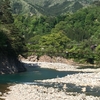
(40,74)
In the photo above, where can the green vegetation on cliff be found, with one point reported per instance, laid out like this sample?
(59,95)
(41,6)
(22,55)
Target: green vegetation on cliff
(11,40)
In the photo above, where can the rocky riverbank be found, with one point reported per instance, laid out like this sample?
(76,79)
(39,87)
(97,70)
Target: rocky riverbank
(10,64)
(84,85)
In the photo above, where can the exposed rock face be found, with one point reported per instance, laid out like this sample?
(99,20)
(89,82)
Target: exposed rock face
(33,58)
(46,58)
(10,65)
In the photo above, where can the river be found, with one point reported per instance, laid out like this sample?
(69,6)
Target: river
(33,74)
(29,76)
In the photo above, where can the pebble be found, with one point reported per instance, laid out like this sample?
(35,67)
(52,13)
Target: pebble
(59,88)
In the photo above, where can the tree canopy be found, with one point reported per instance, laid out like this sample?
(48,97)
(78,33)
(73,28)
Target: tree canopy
(11,40)
(73,33)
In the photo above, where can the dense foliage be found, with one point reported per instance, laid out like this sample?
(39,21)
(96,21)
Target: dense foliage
(71,35)
(11,41)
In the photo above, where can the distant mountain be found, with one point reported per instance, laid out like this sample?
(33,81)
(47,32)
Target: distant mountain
(48,7)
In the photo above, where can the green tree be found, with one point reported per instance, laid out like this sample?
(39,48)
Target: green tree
(11,39)
(54,43)
(6,10)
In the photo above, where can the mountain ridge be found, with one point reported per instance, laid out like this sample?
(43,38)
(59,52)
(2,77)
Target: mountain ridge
(48,7)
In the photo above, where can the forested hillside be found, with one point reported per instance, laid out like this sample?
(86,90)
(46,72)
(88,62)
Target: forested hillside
(48,7)
(11,39)
(71,35)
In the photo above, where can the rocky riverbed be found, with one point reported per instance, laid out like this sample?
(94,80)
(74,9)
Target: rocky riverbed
(84,85)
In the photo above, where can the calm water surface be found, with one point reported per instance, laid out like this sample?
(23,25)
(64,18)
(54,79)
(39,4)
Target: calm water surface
(33,74)
(29,76)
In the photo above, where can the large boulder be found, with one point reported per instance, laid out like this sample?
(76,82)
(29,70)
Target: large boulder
(45,58)
(32,58)
(59,59)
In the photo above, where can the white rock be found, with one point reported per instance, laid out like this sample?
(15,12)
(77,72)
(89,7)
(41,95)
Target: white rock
(0,93)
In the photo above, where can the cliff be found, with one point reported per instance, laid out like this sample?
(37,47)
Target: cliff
(9,65)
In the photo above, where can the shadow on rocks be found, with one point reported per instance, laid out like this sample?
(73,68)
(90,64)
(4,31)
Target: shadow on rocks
(70,88)
(31,65)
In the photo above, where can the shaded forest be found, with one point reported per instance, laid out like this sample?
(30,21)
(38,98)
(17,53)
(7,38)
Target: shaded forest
(11,41)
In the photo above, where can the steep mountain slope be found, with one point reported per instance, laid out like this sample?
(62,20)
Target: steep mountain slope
(10,39)
(48,7)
